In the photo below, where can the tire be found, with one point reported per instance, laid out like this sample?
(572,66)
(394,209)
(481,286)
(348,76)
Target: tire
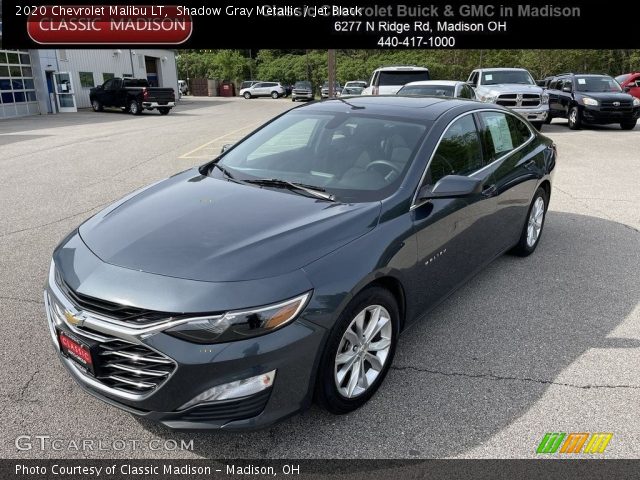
(548,120)
(97,106)
(247,95)
(533,225)
(575,118)
(134,107)
(293,99)
(334,378)
(164,110)
(275,95)
(628,125)
(537,125)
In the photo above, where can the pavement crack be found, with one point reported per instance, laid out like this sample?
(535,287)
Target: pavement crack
(18,299)
(494,377)
(25,387)
(35,227)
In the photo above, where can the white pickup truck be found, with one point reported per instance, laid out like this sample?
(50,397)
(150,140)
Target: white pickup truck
(513,88)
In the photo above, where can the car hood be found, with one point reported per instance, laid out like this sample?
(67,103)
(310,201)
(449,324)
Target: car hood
(608,96)
(509,88)
(196,227)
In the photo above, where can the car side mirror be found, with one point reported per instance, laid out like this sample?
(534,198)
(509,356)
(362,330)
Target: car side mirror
(226,147)
(451,186)
(566,89)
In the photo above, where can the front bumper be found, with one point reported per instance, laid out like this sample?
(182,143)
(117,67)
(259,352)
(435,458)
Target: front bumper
(595,115)
(303,96)
(533,114)
(292,351)
(152,105)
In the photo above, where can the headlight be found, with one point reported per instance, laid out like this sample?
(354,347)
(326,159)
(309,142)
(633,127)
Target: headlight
(545,99)
(238,325)
(489,98)
(636,102)
(590,101)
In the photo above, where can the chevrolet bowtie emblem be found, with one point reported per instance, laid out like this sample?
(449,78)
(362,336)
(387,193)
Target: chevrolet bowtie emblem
(75,320)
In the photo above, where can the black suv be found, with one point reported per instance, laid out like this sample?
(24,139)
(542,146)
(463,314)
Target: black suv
(593,99)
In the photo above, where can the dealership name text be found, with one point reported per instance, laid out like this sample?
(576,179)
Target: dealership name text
(48,443)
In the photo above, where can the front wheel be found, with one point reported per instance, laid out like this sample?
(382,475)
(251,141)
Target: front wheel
(247,95)
(275,95)
(532,230)
(359,351)
(548,120)
(575,118)
(164,110)
(97,106)
(628,125)
(134,108)
(293,99)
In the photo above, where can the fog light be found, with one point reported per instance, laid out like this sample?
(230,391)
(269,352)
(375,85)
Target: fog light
(237,389)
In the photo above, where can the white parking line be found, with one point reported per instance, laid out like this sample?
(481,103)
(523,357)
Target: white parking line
(206,150)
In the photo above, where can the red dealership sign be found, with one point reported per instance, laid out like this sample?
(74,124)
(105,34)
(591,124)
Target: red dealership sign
(110,24)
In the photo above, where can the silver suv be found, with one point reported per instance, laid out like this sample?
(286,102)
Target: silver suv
(263,89)
(513,88)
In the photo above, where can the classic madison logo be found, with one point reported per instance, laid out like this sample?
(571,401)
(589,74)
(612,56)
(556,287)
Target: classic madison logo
(574,442)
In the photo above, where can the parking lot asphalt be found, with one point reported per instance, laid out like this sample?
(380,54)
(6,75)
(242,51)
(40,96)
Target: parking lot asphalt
(549,343)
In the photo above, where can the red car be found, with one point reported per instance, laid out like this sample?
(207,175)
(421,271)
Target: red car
(631,81)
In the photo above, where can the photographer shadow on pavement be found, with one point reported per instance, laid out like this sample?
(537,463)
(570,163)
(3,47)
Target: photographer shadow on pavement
(529,345)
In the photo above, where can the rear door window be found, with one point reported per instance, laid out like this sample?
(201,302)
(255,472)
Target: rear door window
(502,133)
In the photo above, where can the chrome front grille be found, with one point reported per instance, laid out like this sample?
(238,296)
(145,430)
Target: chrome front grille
(622,106)
(132,368)
(123,313)
(519,100)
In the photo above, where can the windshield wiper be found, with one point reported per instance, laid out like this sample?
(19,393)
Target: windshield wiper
(224,171)
(317,192)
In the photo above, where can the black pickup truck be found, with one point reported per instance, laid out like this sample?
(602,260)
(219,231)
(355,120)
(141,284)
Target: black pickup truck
(132,95)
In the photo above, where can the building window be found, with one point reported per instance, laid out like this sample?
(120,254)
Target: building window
(16,83)
(62,55)
(86,80)
(107,76)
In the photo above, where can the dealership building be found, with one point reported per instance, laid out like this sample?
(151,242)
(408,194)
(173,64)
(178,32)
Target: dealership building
(45,81)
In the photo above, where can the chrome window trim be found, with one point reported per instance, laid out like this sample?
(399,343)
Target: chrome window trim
(415,205)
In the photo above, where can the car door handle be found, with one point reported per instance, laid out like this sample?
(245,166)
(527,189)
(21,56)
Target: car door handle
(489,191)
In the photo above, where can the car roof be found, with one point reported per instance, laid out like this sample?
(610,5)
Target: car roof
(496,69)
(449,83)
(414,108)
(407,68)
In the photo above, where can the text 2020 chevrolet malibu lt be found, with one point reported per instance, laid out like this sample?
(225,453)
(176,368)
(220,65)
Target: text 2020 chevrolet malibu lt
(232,295)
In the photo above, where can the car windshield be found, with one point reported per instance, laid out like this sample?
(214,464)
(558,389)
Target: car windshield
(306,85)
(352,156)
(352,90)
(623,78)
(356,84)
(597,84)
(507,76)
(402,77)
(437,90)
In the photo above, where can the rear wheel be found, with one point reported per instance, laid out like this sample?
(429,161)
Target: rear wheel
(97,106)
(628,125)
(247,95)
(164,111)
(575,118)
(134,107)
(275,95)
(359,351)
(532,230)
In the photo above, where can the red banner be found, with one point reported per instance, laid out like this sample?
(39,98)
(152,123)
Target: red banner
(111,24)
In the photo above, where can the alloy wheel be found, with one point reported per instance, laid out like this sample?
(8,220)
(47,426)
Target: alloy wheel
(536,218)
(363,351)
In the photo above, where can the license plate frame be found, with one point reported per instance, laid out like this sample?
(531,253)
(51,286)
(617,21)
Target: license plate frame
(77,350)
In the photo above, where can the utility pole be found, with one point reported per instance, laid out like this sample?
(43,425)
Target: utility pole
(331,67)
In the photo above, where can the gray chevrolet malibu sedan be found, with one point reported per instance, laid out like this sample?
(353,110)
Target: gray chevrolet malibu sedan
(283,271)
